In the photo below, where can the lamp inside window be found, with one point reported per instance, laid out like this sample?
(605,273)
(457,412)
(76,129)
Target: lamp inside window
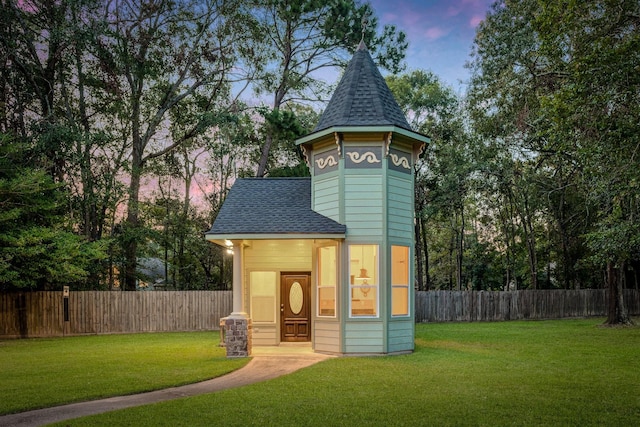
(364,278)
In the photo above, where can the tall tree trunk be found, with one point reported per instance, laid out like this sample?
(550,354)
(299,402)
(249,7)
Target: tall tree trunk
(617,313)
(131,234)
(419,255)
(531,250)
(530,241)
(184,220)
(460,249)
(264,156)
(425,246)
(132,229)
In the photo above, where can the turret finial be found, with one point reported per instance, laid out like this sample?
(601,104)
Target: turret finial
(365,24)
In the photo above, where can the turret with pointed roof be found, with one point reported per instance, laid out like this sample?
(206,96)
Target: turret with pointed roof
(362,97)
(361,156)
(347,231)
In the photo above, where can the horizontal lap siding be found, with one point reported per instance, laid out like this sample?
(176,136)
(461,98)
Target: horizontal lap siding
(401,335)
(364,337)
(400,211)
(363,205)
(326,336)
(264,334)
(326,197)
(278,255)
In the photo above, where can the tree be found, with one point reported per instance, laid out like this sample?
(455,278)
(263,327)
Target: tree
(443,174)
(54,98)
(595,50)
(36,250)
(303,37)
(165,58)
(557,81)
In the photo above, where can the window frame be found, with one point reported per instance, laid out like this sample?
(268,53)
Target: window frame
(374,266)
(406,286)
(320,286)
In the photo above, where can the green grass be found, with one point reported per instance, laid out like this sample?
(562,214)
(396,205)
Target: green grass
(569,373)
(38,373)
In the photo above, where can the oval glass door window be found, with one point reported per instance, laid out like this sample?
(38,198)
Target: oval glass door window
(296,299)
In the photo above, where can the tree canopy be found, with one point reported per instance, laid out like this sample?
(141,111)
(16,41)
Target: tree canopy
(122,130)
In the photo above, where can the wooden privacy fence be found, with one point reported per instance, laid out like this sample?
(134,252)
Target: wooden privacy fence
(468,306)
(43,314)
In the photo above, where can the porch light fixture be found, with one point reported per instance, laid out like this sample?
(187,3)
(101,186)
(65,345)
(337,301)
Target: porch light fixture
(229,246)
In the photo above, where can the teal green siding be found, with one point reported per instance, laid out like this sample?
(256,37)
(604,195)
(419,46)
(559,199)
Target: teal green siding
(400,212)
(326,197)
(364,337)
(363,206)
(401,335)
(376,203)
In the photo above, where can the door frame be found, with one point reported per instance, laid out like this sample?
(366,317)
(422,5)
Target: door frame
(307,297)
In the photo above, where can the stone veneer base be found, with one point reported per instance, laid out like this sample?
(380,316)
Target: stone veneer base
(238,333)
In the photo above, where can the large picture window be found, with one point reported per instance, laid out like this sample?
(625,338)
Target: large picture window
(263,296)
(399,280)
(364,282)
(327,279)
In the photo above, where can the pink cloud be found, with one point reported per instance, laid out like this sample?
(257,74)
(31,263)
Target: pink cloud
(453,11)
(435,33)
(475,20)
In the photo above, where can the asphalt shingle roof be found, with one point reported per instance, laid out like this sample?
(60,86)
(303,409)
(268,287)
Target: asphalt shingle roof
(362,98)
(271,206)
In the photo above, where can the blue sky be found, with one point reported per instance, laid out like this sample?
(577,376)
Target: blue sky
(440,33)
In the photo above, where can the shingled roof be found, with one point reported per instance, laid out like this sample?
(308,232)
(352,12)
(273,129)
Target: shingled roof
(258,206)
(362,98)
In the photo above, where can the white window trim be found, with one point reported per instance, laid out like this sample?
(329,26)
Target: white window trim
(393,285)
(357,287)
(335,287)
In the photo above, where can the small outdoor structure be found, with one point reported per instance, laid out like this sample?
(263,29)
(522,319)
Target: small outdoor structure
(328,260)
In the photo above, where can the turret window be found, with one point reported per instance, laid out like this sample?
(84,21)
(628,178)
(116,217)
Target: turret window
(364,282)
(399,280)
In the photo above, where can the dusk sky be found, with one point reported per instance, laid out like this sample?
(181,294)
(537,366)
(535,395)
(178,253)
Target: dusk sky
(440,33)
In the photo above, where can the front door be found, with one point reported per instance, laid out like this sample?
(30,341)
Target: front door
(295,307)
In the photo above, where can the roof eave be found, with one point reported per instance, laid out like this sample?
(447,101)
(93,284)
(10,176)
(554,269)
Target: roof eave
(222,239)
(346,129)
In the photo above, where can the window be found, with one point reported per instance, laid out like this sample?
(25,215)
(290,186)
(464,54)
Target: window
(399,280)
(327,279)
(263,296)
(363,274)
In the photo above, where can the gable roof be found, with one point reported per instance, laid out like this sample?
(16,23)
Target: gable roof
(362,98)
(262,207)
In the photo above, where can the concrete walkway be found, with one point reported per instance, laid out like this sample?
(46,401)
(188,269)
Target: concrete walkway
(266,363)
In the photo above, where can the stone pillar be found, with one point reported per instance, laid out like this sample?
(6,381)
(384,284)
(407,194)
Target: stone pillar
(238,337)
(238,331)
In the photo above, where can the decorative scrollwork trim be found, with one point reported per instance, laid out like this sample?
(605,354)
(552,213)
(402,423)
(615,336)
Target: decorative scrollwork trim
(338,139)
(369,156)
(306,156)
(327,161)
(387,141)
(400,161)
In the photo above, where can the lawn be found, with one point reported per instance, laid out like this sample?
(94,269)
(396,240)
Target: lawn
(569,372)
(38,373)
